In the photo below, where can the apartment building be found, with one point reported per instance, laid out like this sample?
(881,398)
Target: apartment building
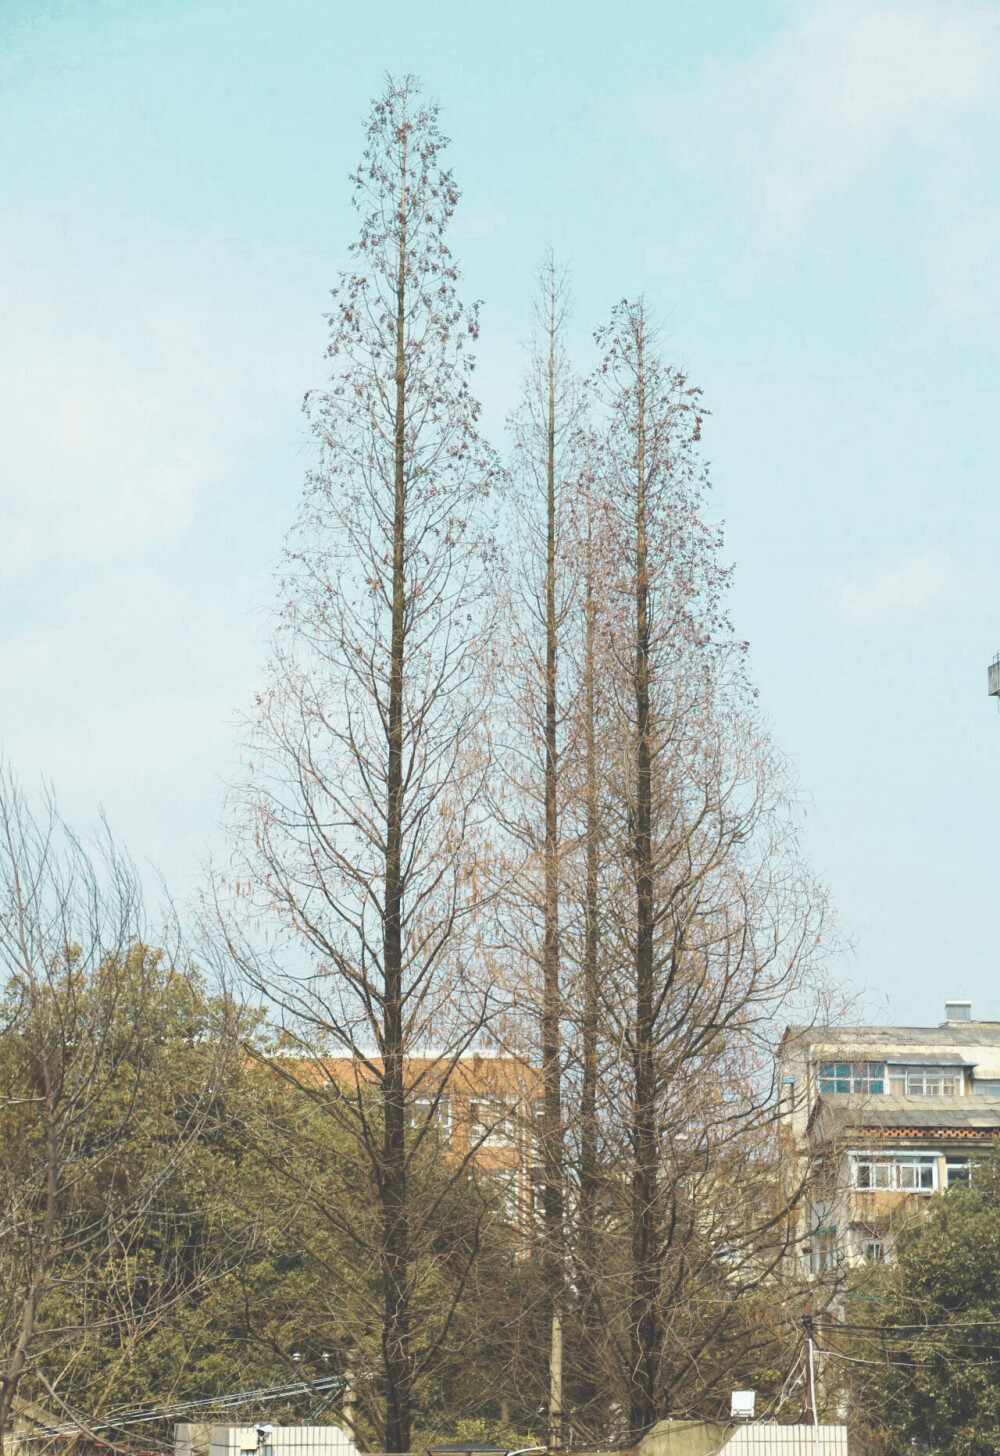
(483,1105)
(875,1118)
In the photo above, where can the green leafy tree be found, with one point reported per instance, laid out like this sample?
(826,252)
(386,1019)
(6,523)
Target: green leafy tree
(108,1079)
(924,1329)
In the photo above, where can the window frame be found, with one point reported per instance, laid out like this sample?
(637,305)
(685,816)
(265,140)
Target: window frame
(493,1131)
(421,1112)
(824,1251)
(916,1076)
(959,1165)
(893,1166)
(866,1078)
(508,1194)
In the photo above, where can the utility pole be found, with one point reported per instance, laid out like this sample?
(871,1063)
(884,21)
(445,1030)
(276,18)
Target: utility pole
(812,1415)
(348,1408)
(555,1385)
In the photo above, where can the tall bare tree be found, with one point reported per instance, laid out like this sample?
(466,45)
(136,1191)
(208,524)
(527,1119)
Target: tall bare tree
(716,921)
(361,816)
(588,776)
(544,585)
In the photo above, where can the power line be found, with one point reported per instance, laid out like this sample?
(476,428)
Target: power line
(325,1385)
(912,1363)
(919,1328)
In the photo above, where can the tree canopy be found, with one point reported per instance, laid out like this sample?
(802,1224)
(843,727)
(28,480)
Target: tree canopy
(925,1328)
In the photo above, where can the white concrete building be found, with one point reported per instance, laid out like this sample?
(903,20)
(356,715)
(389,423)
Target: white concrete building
(262,1440)
(874,1118)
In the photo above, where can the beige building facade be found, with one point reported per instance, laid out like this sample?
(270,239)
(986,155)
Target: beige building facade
(875,1119)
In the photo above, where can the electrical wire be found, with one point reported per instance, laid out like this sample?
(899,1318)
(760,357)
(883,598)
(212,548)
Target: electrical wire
(899,1359)
(894,1329)
(327,1384)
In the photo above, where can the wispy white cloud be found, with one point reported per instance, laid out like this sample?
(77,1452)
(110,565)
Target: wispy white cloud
(98,456)
(481,222)
(128,699)
(897,591)
(116,420)
(818,103)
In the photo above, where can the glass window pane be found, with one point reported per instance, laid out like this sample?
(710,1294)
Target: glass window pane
(926,1081)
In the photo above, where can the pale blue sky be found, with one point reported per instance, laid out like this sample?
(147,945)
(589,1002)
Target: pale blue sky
(808,191)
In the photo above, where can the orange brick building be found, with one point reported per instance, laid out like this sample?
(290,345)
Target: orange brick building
(484,1105)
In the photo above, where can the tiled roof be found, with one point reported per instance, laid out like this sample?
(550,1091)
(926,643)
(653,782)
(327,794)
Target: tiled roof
(968,1033)
(839,1111)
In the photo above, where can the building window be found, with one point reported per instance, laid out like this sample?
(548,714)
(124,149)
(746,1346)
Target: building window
(823,1251)
(907,1172)
(926,1081)
(852,1077)
(873,1250)
(873,1173)
(505,1195)
(917,1175)
(491,1123)
(536,1197)
(422,1110)
(958,1170)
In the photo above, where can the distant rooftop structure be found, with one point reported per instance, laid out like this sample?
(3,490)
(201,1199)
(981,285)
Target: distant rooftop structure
(875,1119)
(263,1440)
(742,1438)
(467,1448)
(993,677)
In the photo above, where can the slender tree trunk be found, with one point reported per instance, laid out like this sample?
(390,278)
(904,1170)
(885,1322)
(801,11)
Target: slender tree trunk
(395,1325)
(12,1376)
(551,1006)
(591,928)
(646,1335)
(589,1169)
